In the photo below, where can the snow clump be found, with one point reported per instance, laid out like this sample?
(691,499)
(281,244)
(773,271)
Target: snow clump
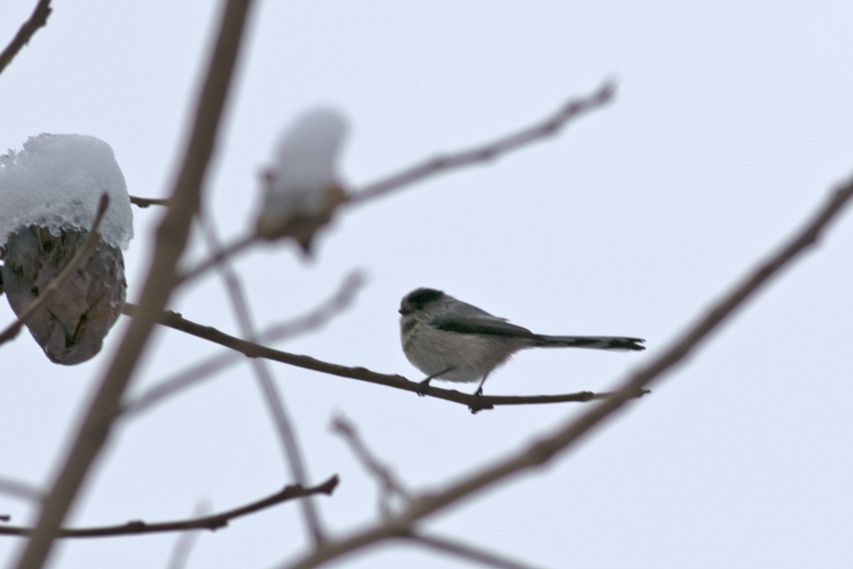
(302,184)
(56,181)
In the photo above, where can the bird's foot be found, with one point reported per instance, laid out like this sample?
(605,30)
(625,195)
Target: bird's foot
(477,405)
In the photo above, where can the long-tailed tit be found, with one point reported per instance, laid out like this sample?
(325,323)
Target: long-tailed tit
(452,340)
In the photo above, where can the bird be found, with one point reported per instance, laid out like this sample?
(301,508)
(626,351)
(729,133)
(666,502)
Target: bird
(452,340)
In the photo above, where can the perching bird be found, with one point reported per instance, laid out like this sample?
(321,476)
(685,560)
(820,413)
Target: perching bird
(452,340)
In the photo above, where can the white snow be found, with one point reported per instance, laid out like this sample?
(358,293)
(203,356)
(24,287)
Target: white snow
(56,182)
(305,165)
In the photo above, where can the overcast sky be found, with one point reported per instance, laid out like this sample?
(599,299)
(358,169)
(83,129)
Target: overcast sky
(731,123)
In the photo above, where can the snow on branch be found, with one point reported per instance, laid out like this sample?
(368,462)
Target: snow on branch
(56,182)
(332,200)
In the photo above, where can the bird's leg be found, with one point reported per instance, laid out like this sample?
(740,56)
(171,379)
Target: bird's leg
(479,392)
(425,383)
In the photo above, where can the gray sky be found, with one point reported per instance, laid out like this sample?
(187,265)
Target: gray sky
(731,123)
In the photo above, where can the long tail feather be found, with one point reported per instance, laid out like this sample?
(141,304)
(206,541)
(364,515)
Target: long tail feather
(594,342)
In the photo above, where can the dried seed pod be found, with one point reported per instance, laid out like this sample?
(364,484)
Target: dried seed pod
(302,227)
(72,327)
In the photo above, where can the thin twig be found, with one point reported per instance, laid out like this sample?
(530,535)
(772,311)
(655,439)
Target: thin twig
(389,485)
(20,490)
(172,236)
(146,202)
(78,260)
(465,551)
(212,522)
(239,245)
(342,426)
(546,448)
(269,389)
(37,20)
(550,126)
(187,540)
(170,386)
(253,350)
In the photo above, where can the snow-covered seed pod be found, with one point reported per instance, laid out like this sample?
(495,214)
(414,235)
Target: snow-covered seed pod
(302,185)
(50,191)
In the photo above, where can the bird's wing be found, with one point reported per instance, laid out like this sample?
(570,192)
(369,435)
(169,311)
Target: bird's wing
(476,324)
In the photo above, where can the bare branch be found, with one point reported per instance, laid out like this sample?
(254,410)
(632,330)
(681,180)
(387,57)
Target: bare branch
(171,240)
(306,323)
(37,20)
(389,485)
(546,448)
(489,151)
(20,490)
(252,350)
(145,202)
(80,257)
(465,551)
(212,522)
(272,396)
